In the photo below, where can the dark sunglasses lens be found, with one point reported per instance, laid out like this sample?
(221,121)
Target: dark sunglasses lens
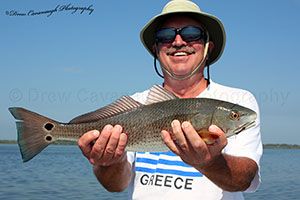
(165,35)
(189,34)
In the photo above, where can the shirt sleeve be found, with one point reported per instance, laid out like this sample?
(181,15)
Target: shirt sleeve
(131,157)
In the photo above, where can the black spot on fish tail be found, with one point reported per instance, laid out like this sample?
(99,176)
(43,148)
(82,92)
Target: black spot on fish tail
(48,126)
(48,138)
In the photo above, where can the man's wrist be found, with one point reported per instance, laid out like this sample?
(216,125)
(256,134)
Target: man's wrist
(213,164)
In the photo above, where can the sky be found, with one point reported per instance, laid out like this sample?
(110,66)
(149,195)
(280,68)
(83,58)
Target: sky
(68,63)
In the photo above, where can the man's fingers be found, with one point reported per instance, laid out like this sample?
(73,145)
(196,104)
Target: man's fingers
(121,145)
(169,141)
(193,137)
(85,140)
(99,146)
(113,142)
(179,135)
(217,132)
(215,129)
(222,136)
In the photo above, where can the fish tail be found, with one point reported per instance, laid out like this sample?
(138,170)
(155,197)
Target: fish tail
(35,132)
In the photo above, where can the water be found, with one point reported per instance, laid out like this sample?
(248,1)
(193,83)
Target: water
(61,172)
(280,170)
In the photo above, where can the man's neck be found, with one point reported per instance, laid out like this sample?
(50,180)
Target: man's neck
(189,88)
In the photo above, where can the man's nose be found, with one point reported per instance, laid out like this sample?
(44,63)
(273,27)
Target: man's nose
(178,41)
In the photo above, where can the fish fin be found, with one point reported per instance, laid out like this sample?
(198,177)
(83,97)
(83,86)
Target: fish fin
(207,136)
(34,132)
(123,104)
(159,94)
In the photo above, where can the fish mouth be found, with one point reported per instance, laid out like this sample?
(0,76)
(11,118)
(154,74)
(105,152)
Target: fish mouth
(244,127)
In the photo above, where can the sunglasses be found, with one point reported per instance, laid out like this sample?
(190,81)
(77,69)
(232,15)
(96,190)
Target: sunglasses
(188,34)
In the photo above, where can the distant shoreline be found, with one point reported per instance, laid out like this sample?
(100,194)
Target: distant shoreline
(266,146)
(55,143)
(281,146)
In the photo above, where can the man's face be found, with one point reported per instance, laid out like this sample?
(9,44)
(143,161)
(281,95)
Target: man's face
(181,57)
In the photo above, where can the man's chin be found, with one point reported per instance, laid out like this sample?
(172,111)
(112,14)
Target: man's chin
(181,74)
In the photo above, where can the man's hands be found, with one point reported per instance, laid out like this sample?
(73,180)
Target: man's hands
(109,148)
(114,171)
(108,156)
(228,172)
(187,143)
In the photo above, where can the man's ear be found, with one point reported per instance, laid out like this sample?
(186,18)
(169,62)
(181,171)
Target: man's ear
(210,47)
(154,49)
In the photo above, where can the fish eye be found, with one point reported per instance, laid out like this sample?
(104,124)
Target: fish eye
(234,115)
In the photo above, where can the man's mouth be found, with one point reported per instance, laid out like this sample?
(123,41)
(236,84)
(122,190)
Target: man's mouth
(180,54)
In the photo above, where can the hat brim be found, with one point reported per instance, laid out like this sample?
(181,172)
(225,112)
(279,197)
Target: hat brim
(212,24)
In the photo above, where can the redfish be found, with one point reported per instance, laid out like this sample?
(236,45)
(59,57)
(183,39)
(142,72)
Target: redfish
(142,123)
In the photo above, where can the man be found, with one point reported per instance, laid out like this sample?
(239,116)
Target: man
(184,40)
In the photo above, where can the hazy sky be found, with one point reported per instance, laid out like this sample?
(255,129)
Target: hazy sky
(67,63)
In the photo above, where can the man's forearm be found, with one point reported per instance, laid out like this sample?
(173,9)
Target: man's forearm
(114,178)
(231,173)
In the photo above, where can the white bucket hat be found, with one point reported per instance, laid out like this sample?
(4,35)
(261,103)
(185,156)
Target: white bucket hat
(212,24)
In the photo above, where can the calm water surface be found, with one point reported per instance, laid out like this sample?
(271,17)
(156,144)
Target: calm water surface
(61,172)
